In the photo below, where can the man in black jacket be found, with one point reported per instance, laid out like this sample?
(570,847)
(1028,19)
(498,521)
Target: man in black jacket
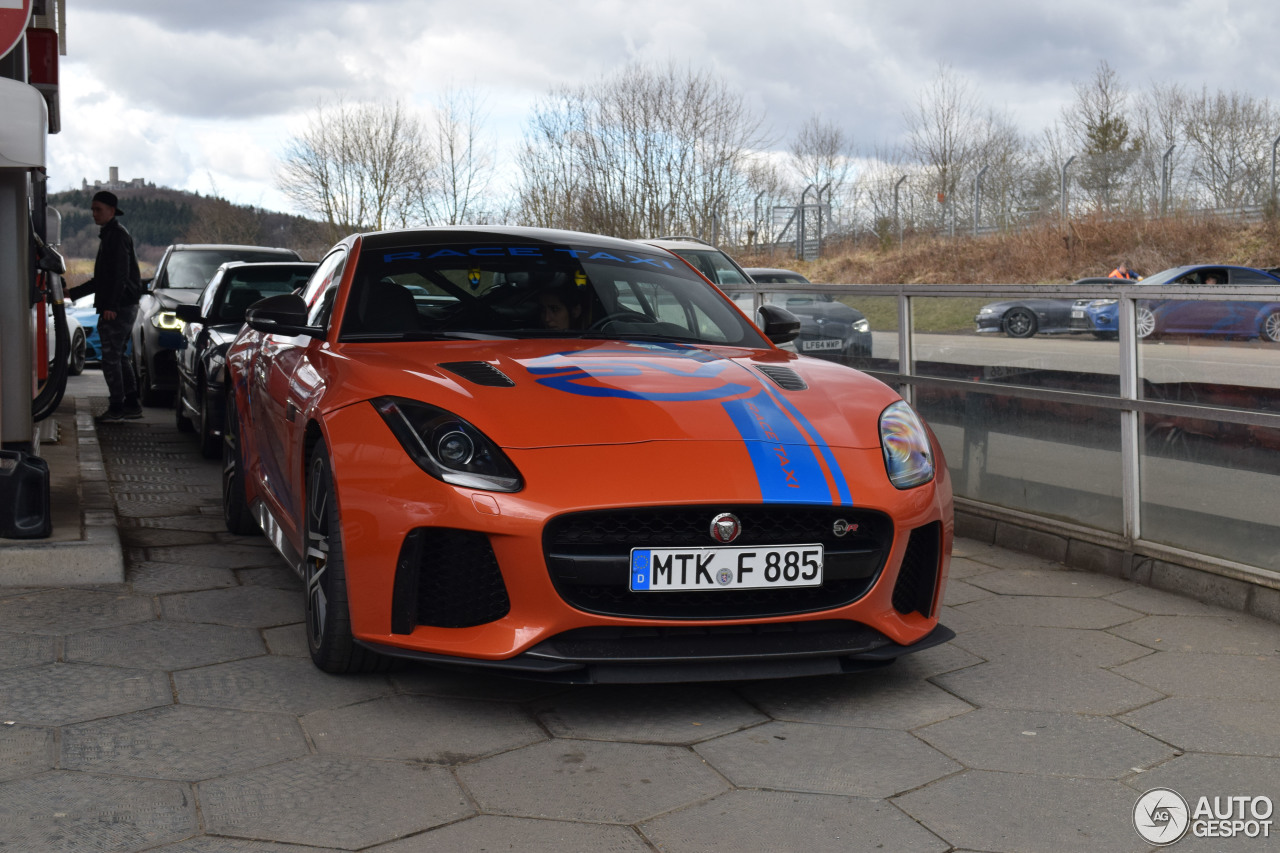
(117,286)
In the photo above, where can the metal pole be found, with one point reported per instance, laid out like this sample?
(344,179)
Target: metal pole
(897,220)
(759,222)
(977,197)
(1063,191)
(800,235)
(1165,179)
(826,189)
(1273,170)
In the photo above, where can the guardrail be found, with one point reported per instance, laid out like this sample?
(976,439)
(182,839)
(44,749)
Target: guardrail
(1156,459)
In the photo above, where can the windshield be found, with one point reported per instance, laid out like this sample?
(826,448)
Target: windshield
(191,270)
(714,264)
(507,289)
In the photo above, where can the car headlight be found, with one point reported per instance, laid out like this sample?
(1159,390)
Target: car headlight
(168,321)
(1102,303)
(984,310)
(861,325)
(447,447)
(908,456)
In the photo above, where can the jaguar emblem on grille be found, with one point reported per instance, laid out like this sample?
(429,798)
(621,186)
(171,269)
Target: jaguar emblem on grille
(725,528)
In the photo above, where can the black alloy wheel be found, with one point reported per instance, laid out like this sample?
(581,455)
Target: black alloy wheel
(180,419)
(1020,323)
(75,365)
(328,617)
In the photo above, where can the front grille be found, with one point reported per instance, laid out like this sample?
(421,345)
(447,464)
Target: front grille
(918,577)
(447,578)
(588,556)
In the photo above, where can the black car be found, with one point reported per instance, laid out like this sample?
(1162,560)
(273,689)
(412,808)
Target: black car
(1023,318)
(209,327)
(183,272)
(828,328)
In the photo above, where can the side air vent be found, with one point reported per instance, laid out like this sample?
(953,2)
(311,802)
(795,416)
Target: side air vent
(479,373)
(786,378)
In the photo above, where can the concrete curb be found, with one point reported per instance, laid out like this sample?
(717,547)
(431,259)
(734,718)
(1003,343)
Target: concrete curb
(90,555)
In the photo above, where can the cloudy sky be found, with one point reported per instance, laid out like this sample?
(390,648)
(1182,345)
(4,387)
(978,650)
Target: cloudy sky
(205,96)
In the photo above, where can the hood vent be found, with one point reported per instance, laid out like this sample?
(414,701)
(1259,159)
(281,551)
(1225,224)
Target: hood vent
(786,378)
(479,373)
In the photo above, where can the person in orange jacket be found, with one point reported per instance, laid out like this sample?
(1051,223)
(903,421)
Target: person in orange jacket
(1123,271)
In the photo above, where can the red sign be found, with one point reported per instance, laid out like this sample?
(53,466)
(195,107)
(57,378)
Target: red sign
(14,15)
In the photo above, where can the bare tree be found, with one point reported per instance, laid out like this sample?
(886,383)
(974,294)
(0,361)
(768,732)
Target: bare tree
(1160,114)
(641,152)
(356,166)
(1229,135)
(455,190)
(945,130)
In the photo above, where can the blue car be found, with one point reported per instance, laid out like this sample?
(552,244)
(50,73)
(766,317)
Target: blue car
(84,312)
(1225,318)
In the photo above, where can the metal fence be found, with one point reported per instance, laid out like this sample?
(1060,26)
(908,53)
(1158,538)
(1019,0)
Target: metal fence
(1166,447)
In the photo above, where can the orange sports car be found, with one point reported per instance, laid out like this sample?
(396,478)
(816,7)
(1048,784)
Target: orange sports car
(571,457)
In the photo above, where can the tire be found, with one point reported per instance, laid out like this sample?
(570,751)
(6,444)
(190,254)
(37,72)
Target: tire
(210,442)
(1270,328)
(1019,323)
(235,508)
(328,617)
(75,364)
(1145,322)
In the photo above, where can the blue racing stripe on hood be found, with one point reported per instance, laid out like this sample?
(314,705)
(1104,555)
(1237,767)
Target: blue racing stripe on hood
(785,464)
(842,485)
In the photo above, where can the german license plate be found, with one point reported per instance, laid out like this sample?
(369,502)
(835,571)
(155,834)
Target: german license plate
(672,569)
(821,344)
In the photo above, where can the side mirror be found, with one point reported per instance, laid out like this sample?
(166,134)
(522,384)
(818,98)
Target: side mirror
(780,325)
(282,314)
(188,313)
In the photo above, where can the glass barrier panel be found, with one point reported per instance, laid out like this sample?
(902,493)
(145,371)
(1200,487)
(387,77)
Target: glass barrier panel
(1027,342)
(1044,457)
(1210,352)
(1208,487)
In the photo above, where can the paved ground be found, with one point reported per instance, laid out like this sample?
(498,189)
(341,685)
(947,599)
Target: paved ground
(178,712)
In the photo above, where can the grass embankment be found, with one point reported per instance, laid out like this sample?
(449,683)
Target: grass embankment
(1045,254)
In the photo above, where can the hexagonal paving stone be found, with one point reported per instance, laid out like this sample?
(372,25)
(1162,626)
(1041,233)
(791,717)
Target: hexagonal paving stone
(60,693)
(62,812)
(1196,775)
(241,556)
(963,568)
(1023,684)
(673,713)
(773,820)
(1057,646)
(1050,582)
(203,524)
(422,728)
(1229,726)
(1158,602)
(493,832)
(164,645)
(981,810)
(435,681)
(327,801)
(959,592)
(818,759)
(890,698)
(244,606)
(279,577)
(24,751)
(1211,676)
(287,640)
(1222,634)
(216,844)
(60,611)
(27,650)
(1050,611)
(182,743)
(152,578)
(273,683)
(153,537)
(1045,743)
(590,781)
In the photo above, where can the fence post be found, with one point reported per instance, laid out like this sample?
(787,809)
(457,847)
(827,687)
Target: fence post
(897,220)
(1165,180)
(977,197)
(1063,191)
(1273,172)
